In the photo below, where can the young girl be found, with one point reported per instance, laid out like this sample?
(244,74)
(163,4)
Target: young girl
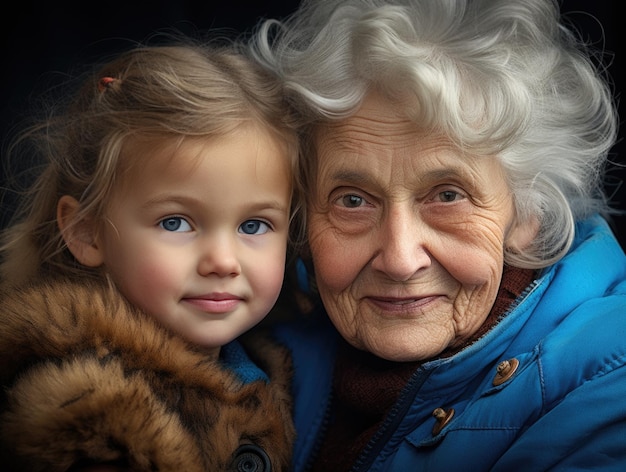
(156,234)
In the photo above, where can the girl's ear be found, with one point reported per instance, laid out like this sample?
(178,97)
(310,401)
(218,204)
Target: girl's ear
(79,235)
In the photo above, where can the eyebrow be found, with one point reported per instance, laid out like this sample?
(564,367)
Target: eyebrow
(350,176)
(345,175)
(446,173)
(170,198)
(270,204)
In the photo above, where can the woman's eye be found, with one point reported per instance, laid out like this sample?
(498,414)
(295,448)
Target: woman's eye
(449,196)
(254,227)
(351,201)
(175,224)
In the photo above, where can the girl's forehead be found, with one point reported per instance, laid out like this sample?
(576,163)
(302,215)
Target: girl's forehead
(175,151)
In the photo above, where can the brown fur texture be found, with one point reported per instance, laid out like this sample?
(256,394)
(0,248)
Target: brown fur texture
(88,379)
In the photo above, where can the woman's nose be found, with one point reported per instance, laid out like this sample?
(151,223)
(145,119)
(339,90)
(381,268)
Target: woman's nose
(219,256)
(402,244)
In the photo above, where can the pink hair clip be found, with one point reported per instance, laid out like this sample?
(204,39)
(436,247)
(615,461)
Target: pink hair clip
(104,83)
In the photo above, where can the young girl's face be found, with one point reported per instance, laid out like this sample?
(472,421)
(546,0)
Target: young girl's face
(197,232)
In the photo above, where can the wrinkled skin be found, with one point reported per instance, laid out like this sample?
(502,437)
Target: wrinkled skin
(407,234)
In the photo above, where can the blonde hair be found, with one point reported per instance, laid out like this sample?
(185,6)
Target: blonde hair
(176,90)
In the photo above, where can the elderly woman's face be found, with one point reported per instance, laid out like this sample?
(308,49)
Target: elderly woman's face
(407,235)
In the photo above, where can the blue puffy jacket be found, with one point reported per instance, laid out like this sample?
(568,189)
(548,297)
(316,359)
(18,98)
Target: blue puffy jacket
(545,389)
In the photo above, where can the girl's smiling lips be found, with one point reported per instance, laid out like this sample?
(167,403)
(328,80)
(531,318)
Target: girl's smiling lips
(215,302)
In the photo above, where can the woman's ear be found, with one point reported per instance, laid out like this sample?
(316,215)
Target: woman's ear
(79,235)
(522,234)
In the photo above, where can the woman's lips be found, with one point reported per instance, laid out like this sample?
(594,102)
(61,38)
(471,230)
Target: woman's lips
(402,305)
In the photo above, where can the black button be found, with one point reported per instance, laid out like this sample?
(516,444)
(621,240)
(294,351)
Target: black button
(250,458)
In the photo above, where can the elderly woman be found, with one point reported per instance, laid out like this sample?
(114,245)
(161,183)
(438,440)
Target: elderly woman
(454,154)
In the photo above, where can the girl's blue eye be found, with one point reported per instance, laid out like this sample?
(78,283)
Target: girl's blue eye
(175,224)
(254,227)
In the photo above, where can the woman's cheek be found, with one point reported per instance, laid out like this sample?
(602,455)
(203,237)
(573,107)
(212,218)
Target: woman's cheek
(337,261)
(328,274)
(473,255)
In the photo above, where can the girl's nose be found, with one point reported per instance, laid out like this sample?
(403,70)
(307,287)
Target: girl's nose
(219,257)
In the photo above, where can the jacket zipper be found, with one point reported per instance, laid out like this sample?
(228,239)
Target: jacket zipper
(320,434)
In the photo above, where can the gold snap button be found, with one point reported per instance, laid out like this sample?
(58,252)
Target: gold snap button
(443,417)
(505,371)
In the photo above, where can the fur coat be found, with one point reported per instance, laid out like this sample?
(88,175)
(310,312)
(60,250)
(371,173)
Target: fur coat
(88,379)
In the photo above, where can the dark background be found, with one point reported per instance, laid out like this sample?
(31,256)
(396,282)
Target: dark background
(42,42)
